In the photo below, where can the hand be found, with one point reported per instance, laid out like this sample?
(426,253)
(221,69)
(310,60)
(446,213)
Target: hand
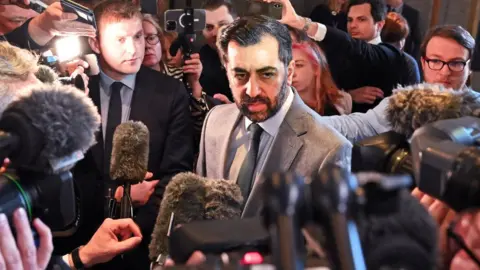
(222,98)
(55,22)
(289,15)
(114,237)
(5,164)
(141,192)
(468,228)
(23,254)
(366,94)
(20,3)
(443,215)
(194,67)
(197,258)
(77,67)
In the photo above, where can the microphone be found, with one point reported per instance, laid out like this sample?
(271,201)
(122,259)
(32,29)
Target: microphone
(414,106)
(285,200)
(129,162)
(46,74)
(44,132)
(45,125)
(189,197)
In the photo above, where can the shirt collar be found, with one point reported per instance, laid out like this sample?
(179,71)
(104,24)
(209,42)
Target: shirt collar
(128,81)
(272,124)
(376,40)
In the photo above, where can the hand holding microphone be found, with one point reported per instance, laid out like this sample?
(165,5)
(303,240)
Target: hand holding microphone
(141,192)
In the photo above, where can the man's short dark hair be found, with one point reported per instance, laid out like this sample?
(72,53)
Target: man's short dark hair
(455,32)
(378,8)
(249,30)
(215,4)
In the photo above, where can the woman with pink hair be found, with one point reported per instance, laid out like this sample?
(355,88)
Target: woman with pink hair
(314,83)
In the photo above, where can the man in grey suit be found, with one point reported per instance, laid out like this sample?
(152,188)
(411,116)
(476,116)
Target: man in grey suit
(269,128)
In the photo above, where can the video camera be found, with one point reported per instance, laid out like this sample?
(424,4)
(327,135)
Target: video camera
(443,157)
(337,202)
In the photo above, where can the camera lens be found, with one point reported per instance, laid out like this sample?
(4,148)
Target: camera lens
(277,5)
(171,25)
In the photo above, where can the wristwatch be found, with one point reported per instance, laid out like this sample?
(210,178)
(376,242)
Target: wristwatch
(77,263)
(308,22)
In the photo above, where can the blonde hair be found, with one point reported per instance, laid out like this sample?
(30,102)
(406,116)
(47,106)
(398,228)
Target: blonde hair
(161,35)
(16,63)
(334,6)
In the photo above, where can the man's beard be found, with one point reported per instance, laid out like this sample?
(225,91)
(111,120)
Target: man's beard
(273,106)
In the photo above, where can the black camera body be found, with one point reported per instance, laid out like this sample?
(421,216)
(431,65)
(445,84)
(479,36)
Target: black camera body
(387,153)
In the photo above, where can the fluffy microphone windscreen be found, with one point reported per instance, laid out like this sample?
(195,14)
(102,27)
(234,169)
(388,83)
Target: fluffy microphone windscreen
(130,148)
(46,74)
(185,197)
(406,239)
(64,118)
(414,106)
(223,200)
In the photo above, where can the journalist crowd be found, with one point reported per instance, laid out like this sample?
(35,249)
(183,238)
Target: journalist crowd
(204,127)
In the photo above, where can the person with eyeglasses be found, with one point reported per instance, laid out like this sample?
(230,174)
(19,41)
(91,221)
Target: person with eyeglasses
(446,52)
(156,57)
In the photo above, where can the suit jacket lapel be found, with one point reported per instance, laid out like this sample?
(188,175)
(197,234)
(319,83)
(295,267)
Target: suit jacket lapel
(141,97)
(285,148)
(94,93)
(227,123)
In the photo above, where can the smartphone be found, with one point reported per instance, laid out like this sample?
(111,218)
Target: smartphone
(258,7)
(84,14)
(174,20)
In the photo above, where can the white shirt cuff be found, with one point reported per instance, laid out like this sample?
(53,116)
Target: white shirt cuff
(321,32)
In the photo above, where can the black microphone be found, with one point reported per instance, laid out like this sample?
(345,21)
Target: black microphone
(414,106)
(189,197)
(129,163)
(285,202)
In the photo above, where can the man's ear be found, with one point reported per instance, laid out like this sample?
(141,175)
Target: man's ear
(380,25)
(94,44)
(290,71)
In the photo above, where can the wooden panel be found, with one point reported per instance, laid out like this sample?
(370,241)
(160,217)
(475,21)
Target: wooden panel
(474,17)
(435,13)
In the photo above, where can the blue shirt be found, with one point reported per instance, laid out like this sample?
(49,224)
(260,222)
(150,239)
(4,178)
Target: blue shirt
(126,95)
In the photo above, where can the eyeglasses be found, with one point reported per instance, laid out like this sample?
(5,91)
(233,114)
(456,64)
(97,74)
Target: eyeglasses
(455,66)
(152,39)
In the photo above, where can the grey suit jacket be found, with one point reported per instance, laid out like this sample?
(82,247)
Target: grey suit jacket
(304,144)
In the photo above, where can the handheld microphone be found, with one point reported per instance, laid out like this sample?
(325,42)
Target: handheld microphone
(414,106)
(45,132)
(192,198)
(285,204)
(128,166)
(46,74)
(47,124)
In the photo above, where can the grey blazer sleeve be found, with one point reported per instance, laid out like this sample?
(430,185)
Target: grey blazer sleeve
(340,156)
(201,168)
(357,126)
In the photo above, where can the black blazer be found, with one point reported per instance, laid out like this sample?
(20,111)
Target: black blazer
(162,104)
(356,63)
(414,39)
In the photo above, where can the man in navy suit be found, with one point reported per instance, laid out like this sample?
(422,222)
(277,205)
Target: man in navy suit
(124,90)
